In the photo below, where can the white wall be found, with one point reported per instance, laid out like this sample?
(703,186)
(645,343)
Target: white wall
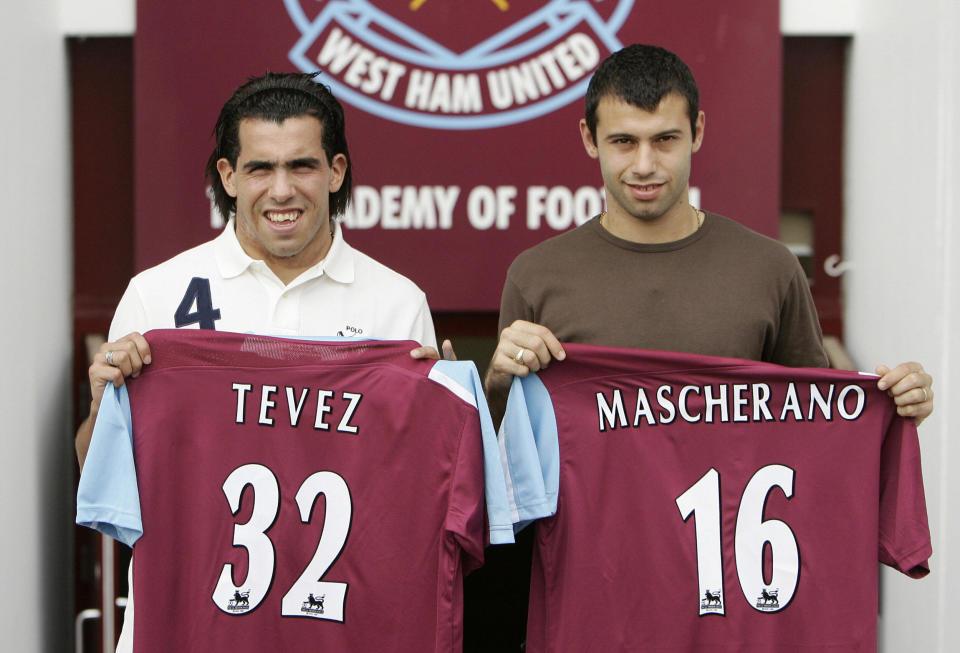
(99,17)
(35,574)
(818,17)
(901,163)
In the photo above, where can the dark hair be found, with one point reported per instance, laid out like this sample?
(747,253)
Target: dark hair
(642,75)
(276,97)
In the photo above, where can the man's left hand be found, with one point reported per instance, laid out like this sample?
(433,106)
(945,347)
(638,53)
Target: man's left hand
(911,389)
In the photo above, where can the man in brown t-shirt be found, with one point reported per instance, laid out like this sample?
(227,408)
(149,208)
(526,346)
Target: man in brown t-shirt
(653,272)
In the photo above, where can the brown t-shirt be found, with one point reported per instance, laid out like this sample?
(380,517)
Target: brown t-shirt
(724,290)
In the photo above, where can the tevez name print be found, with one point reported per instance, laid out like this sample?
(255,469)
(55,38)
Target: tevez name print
(325,407)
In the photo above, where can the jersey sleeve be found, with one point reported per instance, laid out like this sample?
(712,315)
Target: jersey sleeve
(904,530)
(461,377)
(529,451)
(108,499)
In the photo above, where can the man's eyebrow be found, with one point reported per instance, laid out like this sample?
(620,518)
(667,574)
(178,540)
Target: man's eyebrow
(310,161)
(669,132)
(258,164)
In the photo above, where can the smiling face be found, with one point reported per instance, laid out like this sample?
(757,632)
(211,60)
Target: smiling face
(282,181)
(645,163)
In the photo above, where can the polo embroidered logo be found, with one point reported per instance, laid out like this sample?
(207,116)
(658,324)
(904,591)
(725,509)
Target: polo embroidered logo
(423,63)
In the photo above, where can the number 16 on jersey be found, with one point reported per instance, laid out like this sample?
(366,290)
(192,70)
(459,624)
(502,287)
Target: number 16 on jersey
(752,536)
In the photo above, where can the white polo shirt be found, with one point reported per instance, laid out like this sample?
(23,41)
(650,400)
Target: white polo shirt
(217,285)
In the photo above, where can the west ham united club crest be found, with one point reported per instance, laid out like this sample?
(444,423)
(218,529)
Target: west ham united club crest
(448,64)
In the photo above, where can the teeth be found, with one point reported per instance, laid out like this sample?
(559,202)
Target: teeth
(287,216)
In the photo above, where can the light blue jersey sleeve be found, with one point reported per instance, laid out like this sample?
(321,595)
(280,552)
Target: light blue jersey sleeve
(108,499)
(530,451)
(461,377)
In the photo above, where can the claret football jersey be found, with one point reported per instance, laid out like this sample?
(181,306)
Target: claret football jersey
(695,503)
(287,495)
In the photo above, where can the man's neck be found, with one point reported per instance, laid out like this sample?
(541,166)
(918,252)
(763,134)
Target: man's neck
(288,268)
(678,223)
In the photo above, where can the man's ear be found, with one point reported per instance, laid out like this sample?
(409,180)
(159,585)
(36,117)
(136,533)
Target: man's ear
(227,177)
(587,137)
(698,136)
(338,169)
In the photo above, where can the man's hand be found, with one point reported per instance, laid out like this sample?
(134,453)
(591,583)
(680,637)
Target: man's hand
(911,389)
(114,362)
(524,347)
(433,354)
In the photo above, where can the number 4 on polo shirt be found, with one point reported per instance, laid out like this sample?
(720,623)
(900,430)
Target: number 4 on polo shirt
(197,297)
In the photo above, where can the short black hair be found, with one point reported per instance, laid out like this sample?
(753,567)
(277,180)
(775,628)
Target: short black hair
(642,75)
(276,97)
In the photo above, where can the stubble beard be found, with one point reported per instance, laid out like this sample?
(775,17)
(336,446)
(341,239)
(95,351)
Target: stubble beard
(650,212)
(271,249)
(655,210)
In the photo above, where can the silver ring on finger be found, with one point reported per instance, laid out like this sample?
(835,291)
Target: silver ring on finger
(109,358)
(518,358)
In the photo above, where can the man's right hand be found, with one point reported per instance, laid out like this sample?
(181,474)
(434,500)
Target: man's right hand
(524,347)
(114,362)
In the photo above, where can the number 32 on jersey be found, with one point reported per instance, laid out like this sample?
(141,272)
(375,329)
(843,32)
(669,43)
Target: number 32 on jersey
(309,596)
(751,538)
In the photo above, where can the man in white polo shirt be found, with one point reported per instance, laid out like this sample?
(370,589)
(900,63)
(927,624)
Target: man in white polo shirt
(281,167)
